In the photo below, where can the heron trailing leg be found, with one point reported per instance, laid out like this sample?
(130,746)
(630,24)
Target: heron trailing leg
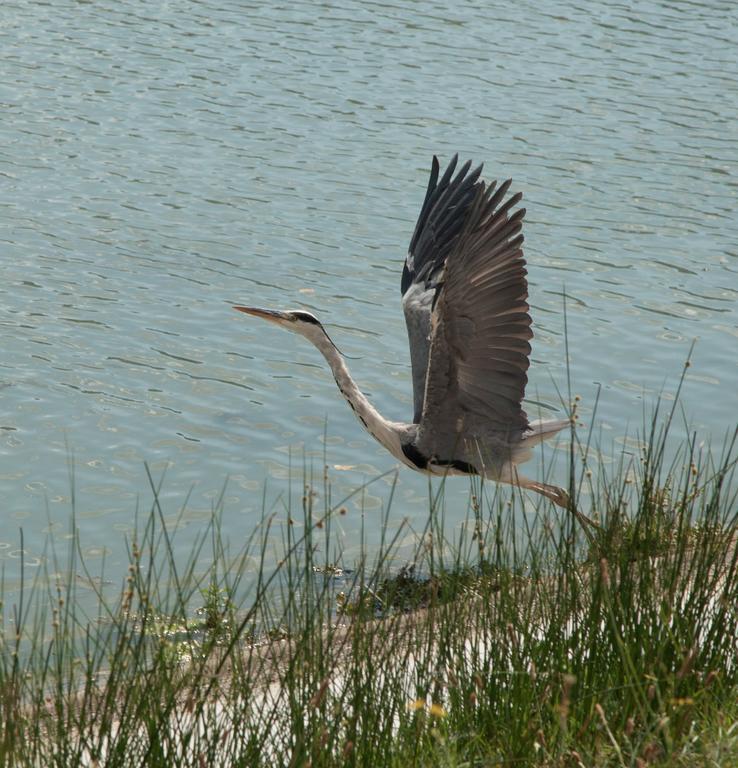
(557,495)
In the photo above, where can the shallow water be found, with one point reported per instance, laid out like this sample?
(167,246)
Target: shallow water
(159,164)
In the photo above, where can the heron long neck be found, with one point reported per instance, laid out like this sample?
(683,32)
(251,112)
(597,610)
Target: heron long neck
(387,432)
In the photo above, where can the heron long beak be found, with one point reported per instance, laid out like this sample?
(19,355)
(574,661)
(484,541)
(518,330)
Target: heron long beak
(265,314)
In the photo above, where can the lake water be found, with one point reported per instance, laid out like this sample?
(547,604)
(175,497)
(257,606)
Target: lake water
(161,162)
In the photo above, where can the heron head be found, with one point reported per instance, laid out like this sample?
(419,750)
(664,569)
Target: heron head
(296,320)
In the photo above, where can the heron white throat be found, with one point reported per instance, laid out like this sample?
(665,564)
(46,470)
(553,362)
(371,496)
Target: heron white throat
(464,295)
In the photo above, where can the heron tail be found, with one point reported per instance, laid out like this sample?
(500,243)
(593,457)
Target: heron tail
(543,430)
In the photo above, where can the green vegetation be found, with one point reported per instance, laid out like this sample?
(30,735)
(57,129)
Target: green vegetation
(536,643)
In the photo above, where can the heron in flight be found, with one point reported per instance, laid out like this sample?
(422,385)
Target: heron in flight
(464,297)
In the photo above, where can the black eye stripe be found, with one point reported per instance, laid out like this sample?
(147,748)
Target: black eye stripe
(305,317)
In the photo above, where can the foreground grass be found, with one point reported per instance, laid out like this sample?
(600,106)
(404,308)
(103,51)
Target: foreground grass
(546,644)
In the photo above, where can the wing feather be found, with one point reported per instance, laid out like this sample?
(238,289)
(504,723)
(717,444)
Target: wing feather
(480,329)
(442,216)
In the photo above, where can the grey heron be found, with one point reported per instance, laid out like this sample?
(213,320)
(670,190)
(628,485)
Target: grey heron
(464,292)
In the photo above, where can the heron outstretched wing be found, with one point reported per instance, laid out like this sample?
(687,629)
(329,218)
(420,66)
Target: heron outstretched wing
(480,328)
(442,216)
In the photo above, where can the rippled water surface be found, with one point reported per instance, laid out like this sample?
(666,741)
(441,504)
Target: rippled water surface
(160,162)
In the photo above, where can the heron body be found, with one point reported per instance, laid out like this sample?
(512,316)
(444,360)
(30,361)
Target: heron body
(464,296)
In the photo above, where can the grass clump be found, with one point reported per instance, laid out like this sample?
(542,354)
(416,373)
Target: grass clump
(521,639)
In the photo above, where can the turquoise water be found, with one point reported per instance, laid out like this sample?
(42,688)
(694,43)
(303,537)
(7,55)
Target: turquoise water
(161,162)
